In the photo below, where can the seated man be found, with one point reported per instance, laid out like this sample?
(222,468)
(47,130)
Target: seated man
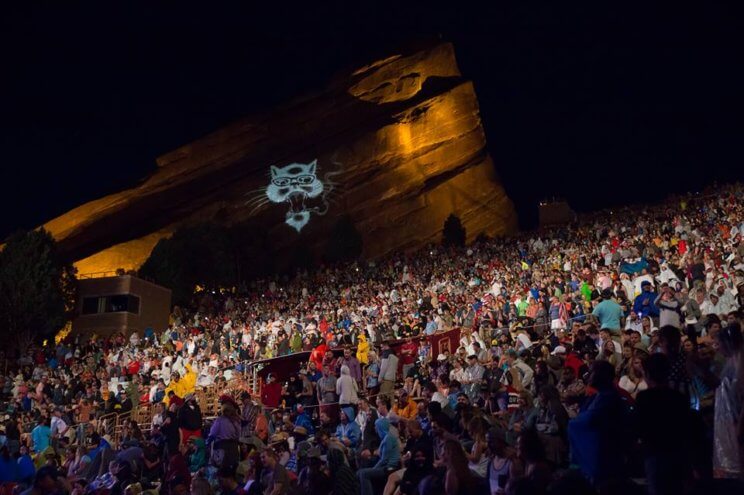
(348,431)
(405,407)
(389,458)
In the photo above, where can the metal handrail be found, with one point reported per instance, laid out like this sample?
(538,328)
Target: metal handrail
(97,275)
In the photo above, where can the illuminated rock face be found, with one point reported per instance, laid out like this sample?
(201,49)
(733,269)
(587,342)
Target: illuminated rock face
(397,146)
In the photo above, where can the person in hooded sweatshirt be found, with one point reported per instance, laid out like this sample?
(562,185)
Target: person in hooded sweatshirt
(346,388)
(643,304)
(389,458)
(348,431)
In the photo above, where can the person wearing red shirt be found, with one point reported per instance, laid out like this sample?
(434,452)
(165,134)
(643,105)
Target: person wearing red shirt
(408,353)
(133,368)
(271,392)
(317,355)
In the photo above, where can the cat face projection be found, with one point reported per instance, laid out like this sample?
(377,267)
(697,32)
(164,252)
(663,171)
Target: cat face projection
(295,184)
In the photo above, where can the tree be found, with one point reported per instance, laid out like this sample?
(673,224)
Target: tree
(38,289)
(345,243)
(209,255)
(453,233)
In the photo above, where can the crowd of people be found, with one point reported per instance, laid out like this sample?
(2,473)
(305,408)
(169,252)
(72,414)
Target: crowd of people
(603,356)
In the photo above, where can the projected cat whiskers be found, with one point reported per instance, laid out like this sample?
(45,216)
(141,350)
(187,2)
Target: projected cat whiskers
(298,185)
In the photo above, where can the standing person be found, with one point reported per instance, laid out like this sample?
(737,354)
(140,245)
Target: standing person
(474,375)
(408,353)
(189,419)
(594,433)
(224,436)
(670,312)
(362,353)
(346,388)
(644,305)
(327,392)
(41,436)
(308,392)
(608,312)
(373,373)
(57,425)
(271,392)
(728,434)
(670,341)
(355,370)
(388,371)
(663,413)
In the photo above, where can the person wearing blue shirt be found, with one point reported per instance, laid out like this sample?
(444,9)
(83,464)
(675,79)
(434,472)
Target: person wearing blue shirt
(8,467)
(431,327)
(348,431)
(26,469)
(644,303)
(608,312)
(388,462)
(598,435)
(303,420)
(41,436)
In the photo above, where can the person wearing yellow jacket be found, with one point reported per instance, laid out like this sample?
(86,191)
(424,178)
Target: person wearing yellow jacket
(362,350)
(181,387)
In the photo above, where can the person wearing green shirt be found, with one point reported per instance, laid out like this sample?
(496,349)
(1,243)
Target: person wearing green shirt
(522,307)
(295,344)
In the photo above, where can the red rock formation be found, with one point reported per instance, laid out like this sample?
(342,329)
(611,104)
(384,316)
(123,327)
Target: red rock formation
(402,139)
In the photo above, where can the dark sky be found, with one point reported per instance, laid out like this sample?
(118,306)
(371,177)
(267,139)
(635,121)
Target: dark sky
(601,105)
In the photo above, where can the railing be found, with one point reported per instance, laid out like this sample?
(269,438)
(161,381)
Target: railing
(97,275)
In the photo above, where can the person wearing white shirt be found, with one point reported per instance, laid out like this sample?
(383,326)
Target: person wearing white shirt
(58,425)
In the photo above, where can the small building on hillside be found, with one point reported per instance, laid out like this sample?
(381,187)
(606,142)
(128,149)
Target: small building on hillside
(111,303)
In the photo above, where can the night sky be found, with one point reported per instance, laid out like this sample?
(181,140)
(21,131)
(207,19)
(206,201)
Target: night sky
(602,105)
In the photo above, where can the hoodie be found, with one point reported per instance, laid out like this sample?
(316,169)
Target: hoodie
(389,446)
(303,420)
(198,459)
(350,429)
(362,350)
(346,387)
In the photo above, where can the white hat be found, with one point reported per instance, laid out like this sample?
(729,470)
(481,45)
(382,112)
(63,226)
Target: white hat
(558,350)
(441,357)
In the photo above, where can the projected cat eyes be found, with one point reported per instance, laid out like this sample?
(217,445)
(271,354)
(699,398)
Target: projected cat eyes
(301,180)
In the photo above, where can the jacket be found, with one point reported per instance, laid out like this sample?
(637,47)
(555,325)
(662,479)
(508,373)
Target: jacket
(389,367)
(389,446)
(349,430)
(362,350)
(346,387)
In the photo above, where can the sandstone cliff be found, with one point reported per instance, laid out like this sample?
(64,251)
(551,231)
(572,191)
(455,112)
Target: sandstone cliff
(397,144)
